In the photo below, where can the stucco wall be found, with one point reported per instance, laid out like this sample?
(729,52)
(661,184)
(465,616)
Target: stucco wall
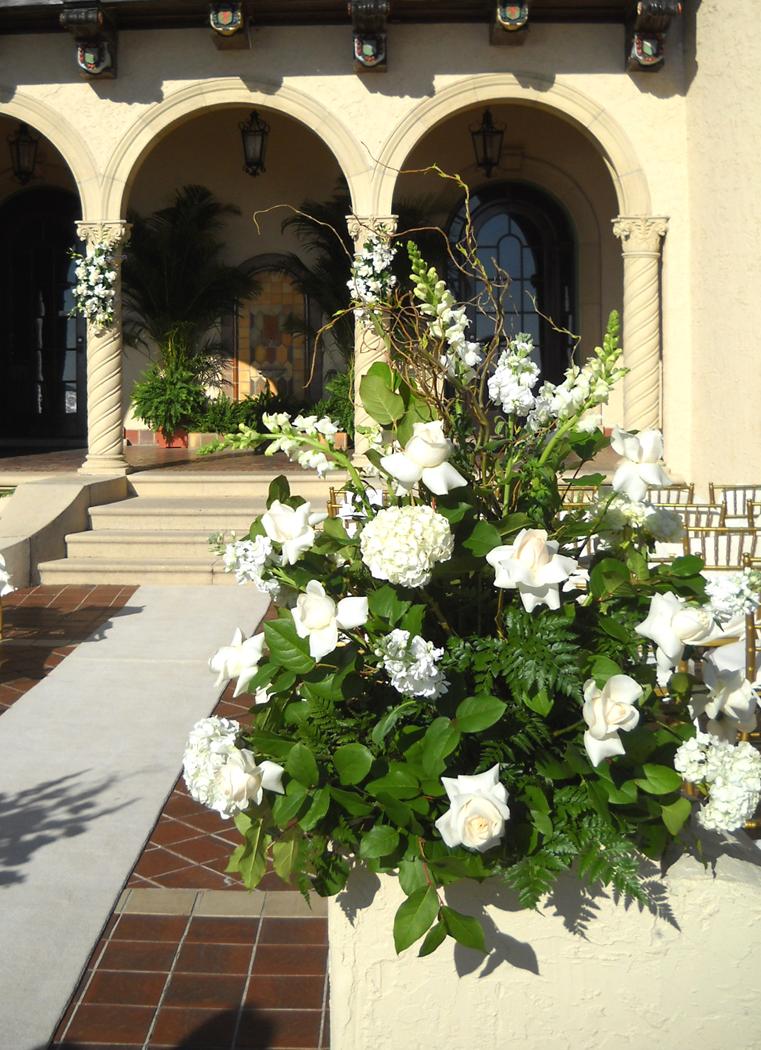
(637,125)
(724,132)
(581,972)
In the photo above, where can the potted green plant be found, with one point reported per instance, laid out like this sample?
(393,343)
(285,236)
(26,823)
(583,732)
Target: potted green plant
(166,398)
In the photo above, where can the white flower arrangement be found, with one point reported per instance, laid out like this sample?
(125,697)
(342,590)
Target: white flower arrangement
(472,642)
(95,291)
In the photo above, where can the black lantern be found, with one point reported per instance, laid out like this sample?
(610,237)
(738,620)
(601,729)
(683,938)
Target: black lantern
(254,134)
(23,147)
(487,143)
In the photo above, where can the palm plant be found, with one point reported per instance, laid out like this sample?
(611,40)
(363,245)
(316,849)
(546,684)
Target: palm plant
(173,275)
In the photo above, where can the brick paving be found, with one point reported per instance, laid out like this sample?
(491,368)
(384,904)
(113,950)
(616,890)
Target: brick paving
(189,958)
(143,457)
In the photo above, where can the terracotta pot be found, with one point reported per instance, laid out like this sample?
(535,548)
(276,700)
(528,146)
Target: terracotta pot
(179,439)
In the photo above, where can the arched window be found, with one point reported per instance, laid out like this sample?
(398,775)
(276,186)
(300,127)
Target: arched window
(524,232)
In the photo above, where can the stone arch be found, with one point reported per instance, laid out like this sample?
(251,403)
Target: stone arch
(67,141)
(183,105)
(591,119)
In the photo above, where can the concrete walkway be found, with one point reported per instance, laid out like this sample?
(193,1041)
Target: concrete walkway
(87,760)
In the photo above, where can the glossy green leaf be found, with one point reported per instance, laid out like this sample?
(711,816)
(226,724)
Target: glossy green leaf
(302,766)
(482,539)
(353,762)
(435,936)
(285,854)
(378,842)
(351,802)
(676,815)
(465,929)
(379,399)
(440,740)
(279,490)
(412,875)
(476,713)
(659,780)
(390,719)
(319,807)
(414,916)
(286,648)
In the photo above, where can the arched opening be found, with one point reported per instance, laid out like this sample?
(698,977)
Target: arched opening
(265,337)
(520,230)
(43,353)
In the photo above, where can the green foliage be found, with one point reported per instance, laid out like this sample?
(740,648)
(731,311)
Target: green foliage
(168,398)
(337,402)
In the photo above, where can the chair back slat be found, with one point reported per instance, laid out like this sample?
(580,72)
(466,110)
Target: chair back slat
(702,515)
(579,494)
(668,495)
(734,497)
(722,548)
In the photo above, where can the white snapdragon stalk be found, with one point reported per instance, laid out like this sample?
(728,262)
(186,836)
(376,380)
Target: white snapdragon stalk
(447,322)
(641,467)
(730,703)
(607,711)
(403,544)
(477,813)
(238,660)
(533,566)
(411,664)
(291,527)
(673,624)
(318,618)
(515,377)
(425,458)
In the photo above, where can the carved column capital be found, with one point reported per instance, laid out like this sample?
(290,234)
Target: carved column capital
(113,234)
(363,226)
(640,234)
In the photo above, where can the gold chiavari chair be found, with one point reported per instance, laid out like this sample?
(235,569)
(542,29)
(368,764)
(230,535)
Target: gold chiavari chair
(702,515)
(670,495)
(734,497)
(753,508)
(722,548)
(578,495)
(752,654)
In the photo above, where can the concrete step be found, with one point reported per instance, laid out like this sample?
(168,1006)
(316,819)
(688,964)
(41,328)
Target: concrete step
(110,571)
(184,485)
(148,515)
(133,545)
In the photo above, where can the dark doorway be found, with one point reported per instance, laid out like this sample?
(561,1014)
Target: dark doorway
(43,355)
(528,235)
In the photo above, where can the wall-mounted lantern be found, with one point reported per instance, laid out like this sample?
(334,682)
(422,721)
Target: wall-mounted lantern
(254,133)
(487,143)
(23,146)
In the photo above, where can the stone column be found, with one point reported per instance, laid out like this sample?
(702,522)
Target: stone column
(368,345)
(641,241)
(105,420)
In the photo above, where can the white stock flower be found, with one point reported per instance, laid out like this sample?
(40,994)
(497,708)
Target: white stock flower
(403,544)
(248,559)
(672,624)
(607,711)
(238,660)
(730,703)
(734,594)
(425,459)
(533,566)
(291,527)
(477,813)
(664,524)
(515,377)
(318,618)
(411,664)
(640,469)
(241,780)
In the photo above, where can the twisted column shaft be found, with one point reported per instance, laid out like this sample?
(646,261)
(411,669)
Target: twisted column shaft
(368,345)
(105,445)
(641,242)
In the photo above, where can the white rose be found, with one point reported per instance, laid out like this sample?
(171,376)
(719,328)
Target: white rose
(238,660)
(478,811)
(533,566)
(671,623)
(292,528)
(241,780)
(641,469)
(319,618)
(425,459)
(606,711)
(730,703)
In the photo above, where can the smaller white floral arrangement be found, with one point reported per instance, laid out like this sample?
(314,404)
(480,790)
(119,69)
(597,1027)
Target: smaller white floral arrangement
(371,279)
(95,290)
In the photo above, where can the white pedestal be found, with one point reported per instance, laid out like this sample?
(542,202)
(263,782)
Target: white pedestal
(626,981)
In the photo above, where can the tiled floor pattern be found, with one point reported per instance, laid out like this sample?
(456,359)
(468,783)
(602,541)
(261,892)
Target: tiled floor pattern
(204,981)
(148,457)
(42,625)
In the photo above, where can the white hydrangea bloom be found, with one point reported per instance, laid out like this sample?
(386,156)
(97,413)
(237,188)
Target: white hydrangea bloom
(402,544)
(663,524)
(411,664)
(209,746)
(733,594)
(733,776)
(515,377)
